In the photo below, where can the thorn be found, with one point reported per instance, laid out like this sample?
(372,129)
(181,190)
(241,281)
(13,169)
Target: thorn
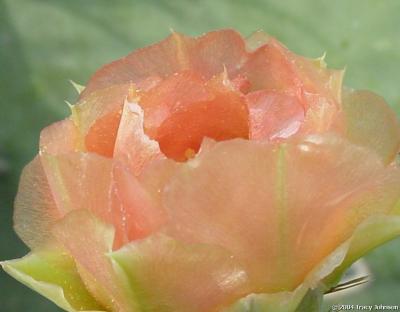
(69,104)
(79,88)
(349,284)
(321,60)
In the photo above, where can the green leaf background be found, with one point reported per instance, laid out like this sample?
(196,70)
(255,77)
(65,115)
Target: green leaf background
(44,43)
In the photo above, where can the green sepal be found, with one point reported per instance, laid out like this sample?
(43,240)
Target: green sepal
(53,275)
(312,301)
(372,233)
(277,302)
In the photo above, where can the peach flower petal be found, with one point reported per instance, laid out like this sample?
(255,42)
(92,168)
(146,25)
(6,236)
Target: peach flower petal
(206,55)
(133,147)
(256,40)
(88,241)
(128,279)
(207,201)
(379,229)
(95,183)
(74,181)
(167,275)
(316,78)
(35,209)
(216,51)
(156,175)
(60,137)
(370,122)
(322,116)
(79,181)
(271,68)
(135,214)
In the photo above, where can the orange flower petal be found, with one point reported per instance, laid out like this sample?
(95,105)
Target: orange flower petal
(173,94)
(102,134)
(183,109)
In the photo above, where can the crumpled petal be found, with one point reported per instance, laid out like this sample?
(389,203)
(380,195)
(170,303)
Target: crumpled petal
(133,147)
(273,115)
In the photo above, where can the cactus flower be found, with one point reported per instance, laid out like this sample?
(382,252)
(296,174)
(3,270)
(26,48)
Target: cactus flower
(208,174)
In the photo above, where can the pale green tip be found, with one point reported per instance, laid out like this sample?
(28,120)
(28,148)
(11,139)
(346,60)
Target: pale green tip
(79,88)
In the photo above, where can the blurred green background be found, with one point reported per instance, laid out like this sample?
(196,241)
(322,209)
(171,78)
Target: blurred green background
(44,43)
